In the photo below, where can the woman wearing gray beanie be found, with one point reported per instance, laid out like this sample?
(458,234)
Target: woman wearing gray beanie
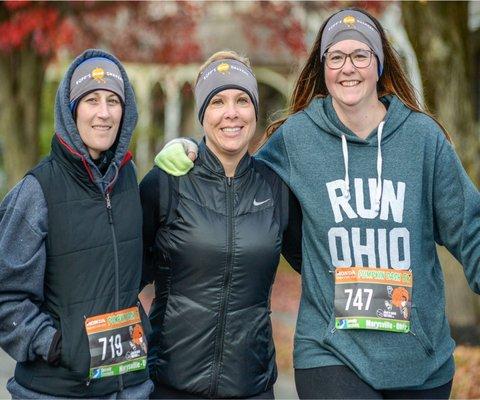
(71,246)
(380,185)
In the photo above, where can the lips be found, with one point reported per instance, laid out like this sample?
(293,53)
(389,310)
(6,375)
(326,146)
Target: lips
(232,129)
(350,83)
(102,127)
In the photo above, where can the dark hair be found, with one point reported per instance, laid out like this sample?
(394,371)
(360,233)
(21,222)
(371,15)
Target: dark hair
(311,82)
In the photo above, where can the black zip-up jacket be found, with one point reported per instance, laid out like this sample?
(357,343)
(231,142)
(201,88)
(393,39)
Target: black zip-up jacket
(93,267)
(213,262)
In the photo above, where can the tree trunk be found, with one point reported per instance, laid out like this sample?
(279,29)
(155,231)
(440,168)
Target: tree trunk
(439,35)
(22,75)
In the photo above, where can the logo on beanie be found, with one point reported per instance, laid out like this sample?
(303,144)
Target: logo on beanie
(98,74)
(223,68)
(349,20)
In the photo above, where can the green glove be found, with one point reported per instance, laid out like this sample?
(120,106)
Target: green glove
(173,160)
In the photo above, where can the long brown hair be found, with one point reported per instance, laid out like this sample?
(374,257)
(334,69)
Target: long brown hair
(311,82)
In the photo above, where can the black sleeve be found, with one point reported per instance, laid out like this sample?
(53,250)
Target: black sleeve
(292,236)
(150,199)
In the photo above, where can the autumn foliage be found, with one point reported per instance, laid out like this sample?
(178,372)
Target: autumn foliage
(273,25)
(36,25)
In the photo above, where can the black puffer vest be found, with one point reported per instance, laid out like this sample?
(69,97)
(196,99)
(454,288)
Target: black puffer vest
(217,262)
(93,267)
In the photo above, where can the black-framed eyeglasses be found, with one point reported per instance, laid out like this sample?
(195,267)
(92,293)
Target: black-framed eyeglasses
(360,58)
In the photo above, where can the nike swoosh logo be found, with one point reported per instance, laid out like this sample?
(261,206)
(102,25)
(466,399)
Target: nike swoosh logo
(259,203)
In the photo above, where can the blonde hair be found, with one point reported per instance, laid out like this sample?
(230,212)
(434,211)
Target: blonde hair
(223,55)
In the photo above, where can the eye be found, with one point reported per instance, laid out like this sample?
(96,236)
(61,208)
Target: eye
(91,100)
(216,101)
(336,57)
(360,56)
(113,101)
(244,100)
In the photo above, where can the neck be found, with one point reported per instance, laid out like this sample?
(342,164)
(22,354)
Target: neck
(229,165)
(361,119)
(229,162)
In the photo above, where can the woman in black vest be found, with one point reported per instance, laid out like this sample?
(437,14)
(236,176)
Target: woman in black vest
(213,239)
(70,239)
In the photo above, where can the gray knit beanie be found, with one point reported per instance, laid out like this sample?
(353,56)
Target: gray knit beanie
(94,74)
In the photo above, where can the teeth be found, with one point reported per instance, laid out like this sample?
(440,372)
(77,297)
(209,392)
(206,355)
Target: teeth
(350,83)
(236,129)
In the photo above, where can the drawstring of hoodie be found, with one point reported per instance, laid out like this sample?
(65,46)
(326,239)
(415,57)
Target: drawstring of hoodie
(107,189)
(378,190)
(345,162)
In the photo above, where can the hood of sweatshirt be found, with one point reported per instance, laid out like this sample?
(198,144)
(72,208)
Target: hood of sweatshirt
(322,113)
(67,132)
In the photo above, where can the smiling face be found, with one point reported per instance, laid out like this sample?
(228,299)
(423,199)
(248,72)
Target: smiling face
(99,114)
(229,124)
(350,86)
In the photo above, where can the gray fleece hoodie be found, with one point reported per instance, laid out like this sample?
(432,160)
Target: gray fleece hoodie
(25,331)
(380,202)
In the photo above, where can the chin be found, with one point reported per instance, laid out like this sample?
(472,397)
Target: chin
(350,100)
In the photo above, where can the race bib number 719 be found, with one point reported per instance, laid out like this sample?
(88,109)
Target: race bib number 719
(117,343)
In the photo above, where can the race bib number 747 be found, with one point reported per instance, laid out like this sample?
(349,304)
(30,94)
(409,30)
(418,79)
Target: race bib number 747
(373,298)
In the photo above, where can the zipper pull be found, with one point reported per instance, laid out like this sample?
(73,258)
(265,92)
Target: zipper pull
(109,208)
(229,180)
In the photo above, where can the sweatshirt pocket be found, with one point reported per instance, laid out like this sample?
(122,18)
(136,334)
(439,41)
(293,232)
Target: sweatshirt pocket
(416,330)
(385,360)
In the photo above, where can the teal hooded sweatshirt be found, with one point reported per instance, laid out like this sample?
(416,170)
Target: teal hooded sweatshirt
(425,198)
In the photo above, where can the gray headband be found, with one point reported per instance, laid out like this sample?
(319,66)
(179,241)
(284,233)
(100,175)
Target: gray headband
(351,24)
(93,74)
(221,75)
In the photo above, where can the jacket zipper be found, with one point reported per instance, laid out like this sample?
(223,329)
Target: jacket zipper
(226,285)
(115,257)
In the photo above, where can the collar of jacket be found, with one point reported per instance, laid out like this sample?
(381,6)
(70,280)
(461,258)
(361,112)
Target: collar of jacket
(210,161)
(75,162)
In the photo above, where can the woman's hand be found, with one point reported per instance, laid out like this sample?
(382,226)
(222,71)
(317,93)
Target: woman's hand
(177,156)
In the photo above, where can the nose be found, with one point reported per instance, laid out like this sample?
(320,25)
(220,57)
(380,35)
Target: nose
(348,67)
(103,111)
(231,111)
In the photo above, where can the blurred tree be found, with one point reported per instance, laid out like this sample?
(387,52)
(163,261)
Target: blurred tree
(142,32)
(262,29)
(440,36)
(29,35)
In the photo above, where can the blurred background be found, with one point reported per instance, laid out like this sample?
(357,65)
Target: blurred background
(162,44)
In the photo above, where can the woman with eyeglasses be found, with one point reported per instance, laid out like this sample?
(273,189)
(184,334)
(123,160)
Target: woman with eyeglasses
(380,186)
(372,318)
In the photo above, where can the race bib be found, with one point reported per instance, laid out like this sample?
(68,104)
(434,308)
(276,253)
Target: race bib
(373,298)
(117,343)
